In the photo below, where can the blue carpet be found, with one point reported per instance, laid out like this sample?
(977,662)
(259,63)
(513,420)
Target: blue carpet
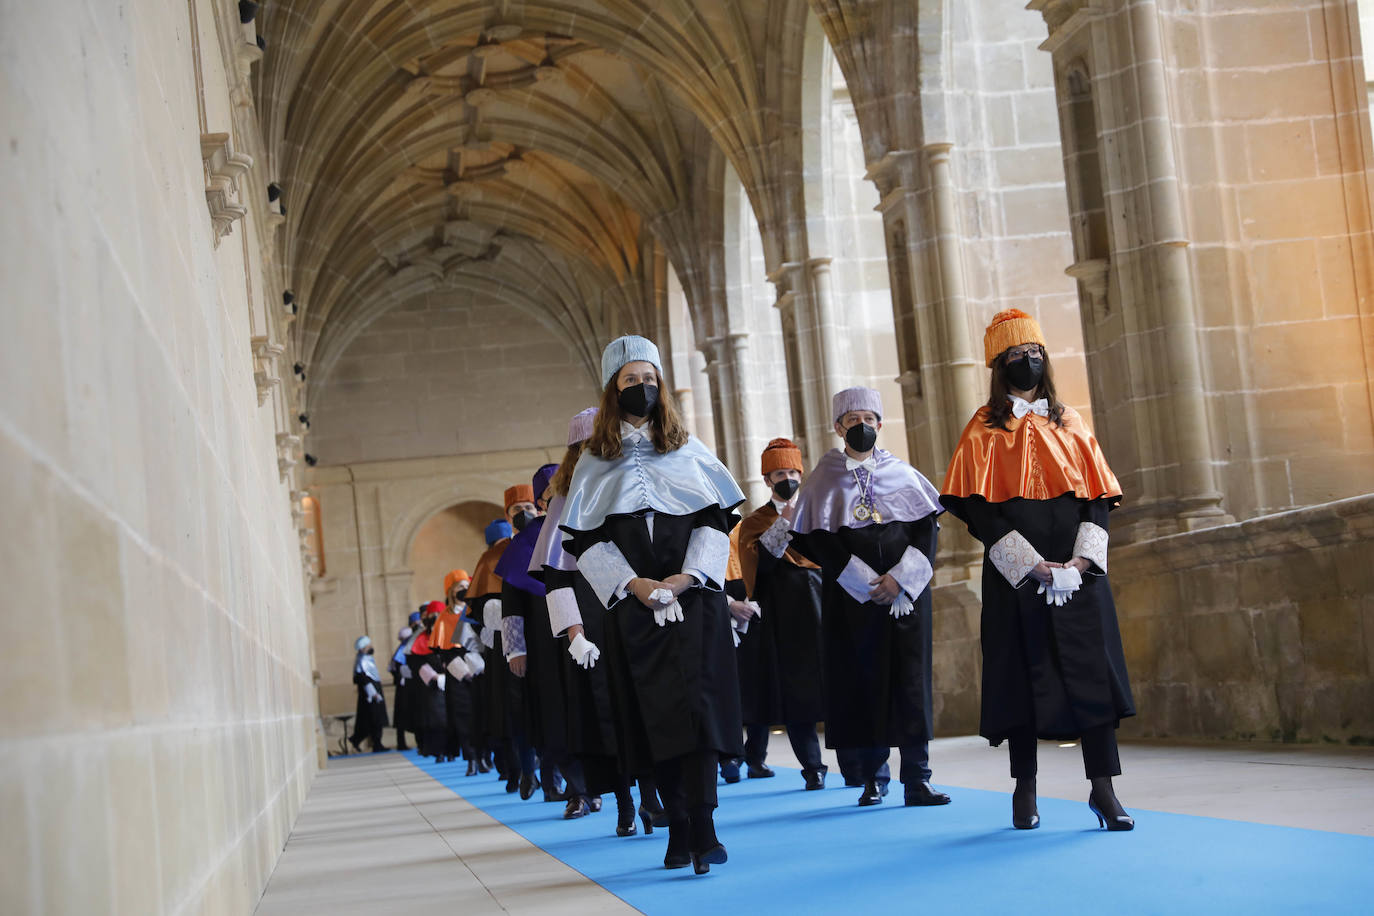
(793,851)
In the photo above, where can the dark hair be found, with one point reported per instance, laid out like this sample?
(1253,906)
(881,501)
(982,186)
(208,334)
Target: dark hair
(999,402)
(665,422)
(562,478)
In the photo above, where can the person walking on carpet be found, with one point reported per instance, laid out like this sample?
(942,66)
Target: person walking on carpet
(1031,483)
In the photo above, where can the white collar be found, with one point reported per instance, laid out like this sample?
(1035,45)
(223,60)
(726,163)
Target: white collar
(1020,407)
(778,504)
(869,464)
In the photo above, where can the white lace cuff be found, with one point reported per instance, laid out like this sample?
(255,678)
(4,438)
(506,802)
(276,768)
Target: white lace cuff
(777,537)
(563,610)
(513,636)
(913,572)
(708,554)
(606,571)
(1091,544)
(1014,557)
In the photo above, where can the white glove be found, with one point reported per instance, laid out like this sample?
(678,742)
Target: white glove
(735,633)
(661,596)
(902,606)
(584,651)
(1063,583)
(441,680)
(754,606)
(669,614)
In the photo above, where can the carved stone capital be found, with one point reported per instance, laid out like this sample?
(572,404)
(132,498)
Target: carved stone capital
(224,170)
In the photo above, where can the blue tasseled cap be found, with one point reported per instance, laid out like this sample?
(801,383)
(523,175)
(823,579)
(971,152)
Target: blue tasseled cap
(627,349)
(497,530)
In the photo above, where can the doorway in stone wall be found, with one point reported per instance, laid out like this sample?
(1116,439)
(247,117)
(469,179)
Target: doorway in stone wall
(449,539)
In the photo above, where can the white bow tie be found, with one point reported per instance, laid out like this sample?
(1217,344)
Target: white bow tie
(869,464)
(1020,407)
(634,432)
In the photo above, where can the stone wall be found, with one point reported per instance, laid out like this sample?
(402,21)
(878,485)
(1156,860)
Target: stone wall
(1258,630)
(448,373)
(159,728)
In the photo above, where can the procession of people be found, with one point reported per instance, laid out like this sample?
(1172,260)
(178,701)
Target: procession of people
(633,625)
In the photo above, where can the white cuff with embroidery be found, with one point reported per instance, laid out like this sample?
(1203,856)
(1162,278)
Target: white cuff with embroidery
(1014,557)
(606,571)
(513,636)
(1091,544)
(913,572)
(777,537)
(563,610)
(708,554)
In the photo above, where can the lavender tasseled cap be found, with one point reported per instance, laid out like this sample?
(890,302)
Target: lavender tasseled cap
(580,427)
(627,349)
(542,478)
(858,398)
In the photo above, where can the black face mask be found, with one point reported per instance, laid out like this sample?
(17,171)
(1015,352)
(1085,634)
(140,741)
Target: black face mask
(638,400)
(786,488)
(521,521)
(1025,374)
(861,437)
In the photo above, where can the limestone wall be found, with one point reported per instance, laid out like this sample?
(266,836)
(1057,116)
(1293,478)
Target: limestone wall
(158,732)
(390,528)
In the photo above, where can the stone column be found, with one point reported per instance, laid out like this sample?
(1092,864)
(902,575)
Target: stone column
(834,370)
(687,407)
(719,398)
(963,366)
(748,443)
(1199,497)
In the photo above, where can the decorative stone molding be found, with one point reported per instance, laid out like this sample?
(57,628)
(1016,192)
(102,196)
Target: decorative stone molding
(1064,18)
(288,446)
(224,168)
(265,373)
(1093,274)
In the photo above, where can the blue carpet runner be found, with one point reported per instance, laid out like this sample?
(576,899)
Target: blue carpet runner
(798,852)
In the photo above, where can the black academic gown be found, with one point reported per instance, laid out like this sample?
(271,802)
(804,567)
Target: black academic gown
(430,711)
(541,693)
(877,668)
(588,713)
(403,699)
(676,686)
(495,685)
(782,647)
(1056,670)
(369,718)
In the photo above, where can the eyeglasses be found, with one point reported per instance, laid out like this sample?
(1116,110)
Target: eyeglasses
(1016,353)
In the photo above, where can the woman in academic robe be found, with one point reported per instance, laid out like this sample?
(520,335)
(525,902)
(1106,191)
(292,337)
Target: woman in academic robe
(533,658)
(647,519)
(575,613)
(431,713)
(488,687)
(1031,483)
(454,643)
(868,519)
(779,653)
(369,717)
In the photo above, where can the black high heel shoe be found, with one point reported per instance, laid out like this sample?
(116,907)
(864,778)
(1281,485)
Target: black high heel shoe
(702,862)
(1121,821)
(1025,814)
(652,819)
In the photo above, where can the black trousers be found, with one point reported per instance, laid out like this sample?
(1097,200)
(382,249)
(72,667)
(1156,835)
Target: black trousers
(688,783)
(802,736)
(867,764)
(1100,757)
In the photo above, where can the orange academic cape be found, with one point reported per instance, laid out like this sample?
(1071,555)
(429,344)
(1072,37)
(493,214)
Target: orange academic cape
(744,544)
(1031,459)
(485,582)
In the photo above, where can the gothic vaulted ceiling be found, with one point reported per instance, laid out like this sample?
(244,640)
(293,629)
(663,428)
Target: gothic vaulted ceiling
(558,155)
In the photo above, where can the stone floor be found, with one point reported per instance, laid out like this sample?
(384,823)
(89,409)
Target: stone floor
(377,835)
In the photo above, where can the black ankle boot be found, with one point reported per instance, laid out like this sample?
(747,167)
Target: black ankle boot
(1024,813)
(679,848)
(706,847)
(625,815)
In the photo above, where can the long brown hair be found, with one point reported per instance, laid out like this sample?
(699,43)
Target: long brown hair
(999,401)
(562,478)
(665,422)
